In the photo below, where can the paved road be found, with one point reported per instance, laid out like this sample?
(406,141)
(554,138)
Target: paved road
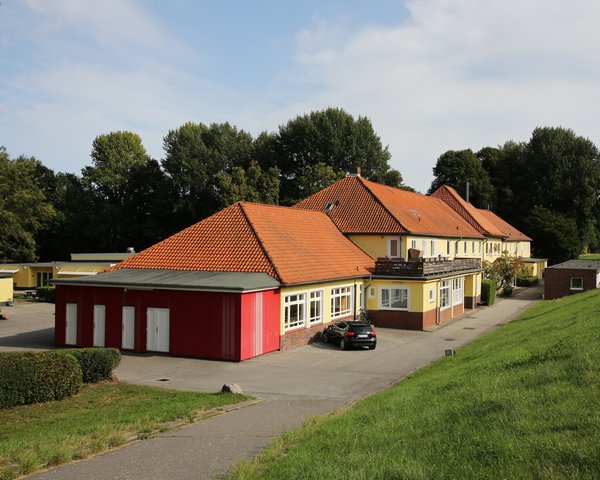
(295,385)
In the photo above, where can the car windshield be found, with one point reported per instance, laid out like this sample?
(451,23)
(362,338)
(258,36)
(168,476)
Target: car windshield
(360,327)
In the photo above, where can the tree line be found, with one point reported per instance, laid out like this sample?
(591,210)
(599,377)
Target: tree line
(126,198)
(547,187)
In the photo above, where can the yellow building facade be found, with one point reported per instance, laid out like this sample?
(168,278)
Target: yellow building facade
(6,289)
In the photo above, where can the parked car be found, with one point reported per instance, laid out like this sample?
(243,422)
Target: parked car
(350,334)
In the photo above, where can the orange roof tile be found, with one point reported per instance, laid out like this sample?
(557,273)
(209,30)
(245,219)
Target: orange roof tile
(468,211)
(355,208)
(293,246)
(362,206)
(512,234)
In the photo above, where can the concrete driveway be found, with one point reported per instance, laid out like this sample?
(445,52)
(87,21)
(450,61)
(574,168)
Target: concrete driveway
(311,380)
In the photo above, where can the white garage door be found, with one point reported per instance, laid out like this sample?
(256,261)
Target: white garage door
(157,330)
(71,324)
(99,325)
(128,339)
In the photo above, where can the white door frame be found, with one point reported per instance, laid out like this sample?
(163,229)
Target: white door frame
(157,329)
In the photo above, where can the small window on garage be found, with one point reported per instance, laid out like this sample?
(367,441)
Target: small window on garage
(576,283)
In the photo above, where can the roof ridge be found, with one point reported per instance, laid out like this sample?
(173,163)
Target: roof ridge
(374,195)
(259,240)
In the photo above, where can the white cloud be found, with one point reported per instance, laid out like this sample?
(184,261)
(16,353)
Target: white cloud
(462,74)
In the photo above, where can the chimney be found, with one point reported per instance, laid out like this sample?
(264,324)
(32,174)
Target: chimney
(354,172)
(467,195)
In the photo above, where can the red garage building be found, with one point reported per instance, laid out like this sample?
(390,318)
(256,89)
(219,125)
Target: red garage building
(214,290)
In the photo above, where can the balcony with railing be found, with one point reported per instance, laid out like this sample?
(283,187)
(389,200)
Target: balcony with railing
(424,267)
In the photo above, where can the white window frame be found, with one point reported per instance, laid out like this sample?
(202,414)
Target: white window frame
(315,297)
(445,286)
(432,246)
(389,289)
(465,246)
(431,295)
(458,290)
(473,247)
(339,293)
(571,287)
(371,292)
(300,302)
(413,244)
(390,250)
(448,247)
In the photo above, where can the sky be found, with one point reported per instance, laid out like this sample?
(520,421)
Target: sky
(431,75)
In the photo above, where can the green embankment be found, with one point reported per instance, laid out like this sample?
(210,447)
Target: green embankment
(520,403)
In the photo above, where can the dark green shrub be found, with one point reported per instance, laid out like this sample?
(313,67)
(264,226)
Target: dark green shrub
(97,364)
(34,377)
(46,294)
(488,292)
(527,281)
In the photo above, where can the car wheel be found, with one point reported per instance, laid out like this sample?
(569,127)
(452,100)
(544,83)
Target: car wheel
(343,345)
(324,337)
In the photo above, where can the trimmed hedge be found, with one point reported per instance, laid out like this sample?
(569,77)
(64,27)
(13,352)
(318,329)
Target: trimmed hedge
(527,281)
(34,377)
(97,364)
(488,292)
(46,294)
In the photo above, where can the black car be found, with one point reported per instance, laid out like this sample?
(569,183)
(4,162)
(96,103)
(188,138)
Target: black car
(350,334)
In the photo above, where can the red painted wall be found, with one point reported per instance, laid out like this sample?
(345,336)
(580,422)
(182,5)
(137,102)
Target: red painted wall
(202,324)
(260,323)
(557,281)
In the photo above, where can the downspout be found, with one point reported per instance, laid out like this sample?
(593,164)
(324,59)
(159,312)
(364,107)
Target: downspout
(437,303)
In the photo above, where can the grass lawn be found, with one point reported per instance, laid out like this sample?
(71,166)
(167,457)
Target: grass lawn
(520,403)
(101,416)
(590,256)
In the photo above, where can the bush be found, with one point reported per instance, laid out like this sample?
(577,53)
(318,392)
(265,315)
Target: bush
(33,377)
(488,292)
(97,364)
(46,294)
(527,281)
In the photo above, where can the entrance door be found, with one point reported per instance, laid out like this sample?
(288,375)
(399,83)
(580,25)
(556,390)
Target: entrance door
(128,337)
(71,324)
(99,325)
(157,330)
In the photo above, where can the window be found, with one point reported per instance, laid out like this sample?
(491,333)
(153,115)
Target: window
(371,292)
(424,245)
(458,288)
(394,298)
(413,244)
(315,309)
(479,247)
(473,246)
(393,247)
(448,247)
(487,248)
(341,302)
(444,294)
(432,242)
(431,295)
(576,283)
(294,311)
(465,246)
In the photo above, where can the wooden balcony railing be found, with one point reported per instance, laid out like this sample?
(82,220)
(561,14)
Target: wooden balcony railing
(424,267)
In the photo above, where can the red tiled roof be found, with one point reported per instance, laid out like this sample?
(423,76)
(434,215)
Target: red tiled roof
(469,212)
(293,246)
(362,206)
(512,234)
(355,208)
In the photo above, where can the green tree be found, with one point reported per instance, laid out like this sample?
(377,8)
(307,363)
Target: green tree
(24,209)
(330,137)
(113,156)
(195,156)
(457,167)
(252,185)
(317,177)
(556,236)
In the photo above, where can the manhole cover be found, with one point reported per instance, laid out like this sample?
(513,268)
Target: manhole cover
(468,328)
(450,339)
(163,379)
